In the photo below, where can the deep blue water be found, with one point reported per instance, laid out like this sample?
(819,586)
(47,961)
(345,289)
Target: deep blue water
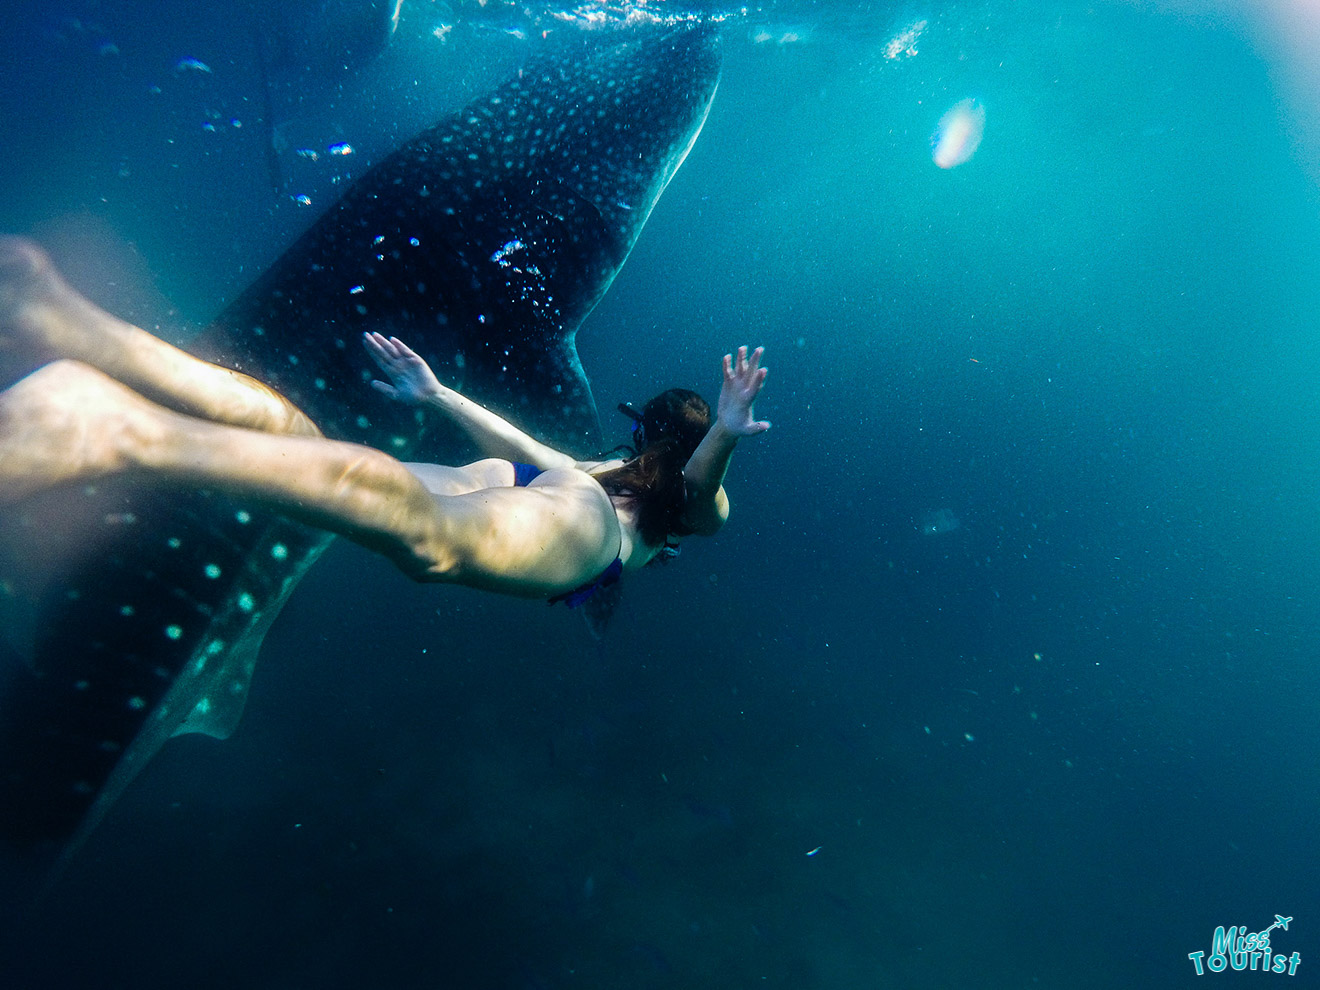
(1054,746)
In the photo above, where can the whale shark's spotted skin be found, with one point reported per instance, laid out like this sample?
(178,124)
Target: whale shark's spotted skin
(484,242)
(487,239)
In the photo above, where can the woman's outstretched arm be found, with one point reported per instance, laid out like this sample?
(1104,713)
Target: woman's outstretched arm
(414,383)
(707,505)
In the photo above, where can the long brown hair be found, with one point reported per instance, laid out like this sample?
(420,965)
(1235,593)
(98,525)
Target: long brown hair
(668,430)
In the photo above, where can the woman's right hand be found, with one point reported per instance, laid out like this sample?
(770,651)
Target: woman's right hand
(743,378)
(413,380)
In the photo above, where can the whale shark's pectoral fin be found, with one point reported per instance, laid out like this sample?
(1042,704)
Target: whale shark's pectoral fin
(210,687)
(221,697)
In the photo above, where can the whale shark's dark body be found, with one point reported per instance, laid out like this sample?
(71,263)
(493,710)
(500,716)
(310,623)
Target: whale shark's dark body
(484,242)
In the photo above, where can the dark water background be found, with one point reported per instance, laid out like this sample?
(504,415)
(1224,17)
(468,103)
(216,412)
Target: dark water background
(1055,746)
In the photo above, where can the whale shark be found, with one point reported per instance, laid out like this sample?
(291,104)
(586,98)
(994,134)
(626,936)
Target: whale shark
(483,241)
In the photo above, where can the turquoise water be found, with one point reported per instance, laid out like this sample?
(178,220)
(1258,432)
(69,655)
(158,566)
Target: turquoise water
(1055,744)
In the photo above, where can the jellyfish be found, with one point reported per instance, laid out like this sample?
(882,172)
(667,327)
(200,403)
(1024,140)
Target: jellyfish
(938,521)
(958,134)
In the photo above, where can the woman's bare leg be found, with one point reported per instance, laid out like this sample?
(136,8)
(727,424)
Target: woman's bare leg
(44,318)
(442,479)
(68,422)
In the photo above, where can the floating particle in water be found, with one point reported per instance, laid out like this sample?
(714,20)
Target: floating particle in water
(780,34)
(342,148)
(904,44)
(189,64)
(303,200)
(308,153)
(959,134)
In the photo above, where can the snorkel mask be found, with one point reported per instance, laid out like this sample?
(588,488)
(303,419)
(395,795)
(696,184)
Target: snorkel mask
(638,430)
(678,415)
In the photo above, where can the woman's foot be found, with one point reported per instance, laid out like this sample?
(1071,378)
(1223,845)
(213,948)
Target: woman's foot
(37,307)
(66,423)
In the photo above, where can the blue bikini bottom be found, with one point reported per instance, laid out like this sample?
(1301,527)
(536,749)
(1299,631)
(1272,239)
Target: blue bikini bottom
(579,596)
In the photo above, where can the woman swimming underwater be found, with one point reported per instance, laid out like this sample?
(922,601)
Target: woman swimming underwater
(529,520)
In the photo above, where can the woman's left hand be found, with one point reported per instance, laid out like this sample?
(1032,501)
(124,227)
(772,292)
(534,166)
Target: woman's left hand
(743,378)
(414,381)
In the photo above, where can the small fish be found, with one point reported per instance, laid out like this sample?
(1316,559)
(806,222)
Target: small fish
(187,63)
(342,148)
(813,852)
